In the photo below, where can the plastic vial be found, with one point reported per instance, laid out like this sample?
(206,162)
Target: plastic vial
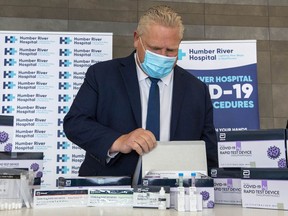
(162,199)
(193,177)
(181,176)
(181,199)
(192,199)
(199,202)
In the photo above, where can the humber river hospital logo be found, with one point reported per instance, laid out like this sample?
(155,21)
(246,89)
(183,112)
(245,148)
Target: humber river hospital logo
(181,54)
(8,75)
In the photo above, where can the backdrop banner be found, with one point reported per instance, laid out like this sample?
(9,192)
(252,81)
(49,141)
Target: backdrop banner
(41,73)
(229,68)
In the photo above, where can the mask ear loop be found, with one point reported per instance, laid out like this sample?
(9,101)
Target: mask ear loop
(142,43)
(139,62)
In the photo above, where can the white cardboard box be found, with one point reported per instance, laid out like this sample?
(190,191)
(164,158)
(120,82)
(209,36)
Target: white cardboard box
(59,198)
(120,197)
(265,188)
(227,185)
(255,148)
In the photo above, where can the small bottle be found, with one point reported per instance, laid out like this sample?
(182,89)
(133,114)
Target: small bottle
(162,199)
(192,199)
(180,179)
(180,199)
(199,202)
(193,177)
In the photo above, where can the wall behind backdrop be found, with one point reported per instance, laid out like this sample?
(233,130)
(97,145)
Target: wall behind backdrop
(263,20)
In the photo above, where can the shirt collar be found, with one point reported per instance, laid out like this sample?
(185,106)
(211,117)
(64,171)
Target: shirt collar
(143,76)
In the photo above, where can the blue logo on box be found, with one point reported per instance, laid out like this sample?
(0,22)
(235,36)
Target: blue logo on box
(10,39)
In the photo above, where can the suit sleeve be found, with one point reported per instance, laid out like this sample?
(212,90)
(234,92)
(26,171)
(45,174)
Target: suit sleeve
(81,125)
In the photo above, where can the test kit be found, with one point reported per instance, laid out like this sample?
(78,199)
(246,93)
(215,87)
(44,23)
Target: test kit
(227,185)
(58,198)
(120,197)
(265,188)
(95,181)
(204,186)
(151,197)
(254,148)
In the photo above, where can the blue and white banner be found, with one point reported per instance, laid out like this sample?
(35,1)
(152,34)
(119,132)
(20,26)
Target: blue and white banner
(229,68)
(41,73)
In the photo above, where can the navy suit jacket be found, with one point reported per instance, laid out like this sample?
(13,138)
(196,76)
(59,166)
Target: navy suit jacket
(108,105)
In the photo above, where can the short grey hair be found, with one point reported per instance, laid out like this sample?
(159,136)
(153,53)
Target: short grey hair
(163,15)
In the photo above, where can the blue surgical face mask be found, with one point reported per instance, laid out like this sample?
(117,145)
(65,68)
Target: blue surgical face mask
(155,65)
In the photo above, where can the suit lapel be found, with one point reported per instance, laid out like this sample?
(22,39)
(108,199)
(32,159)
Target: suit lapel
(129,74)
(179,86)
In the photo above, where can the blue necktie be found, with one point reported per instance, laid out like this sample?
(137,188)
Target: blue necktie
(153,111)
(152,124)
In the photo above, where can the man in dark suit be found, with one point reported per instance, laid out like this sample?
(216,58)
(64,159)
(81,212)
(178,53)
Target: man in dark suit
(108,116)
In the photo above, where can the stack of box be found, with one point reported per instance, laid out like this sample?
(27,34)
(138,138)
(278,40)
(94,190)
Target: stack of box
(204,186)
(242,152)
(86,191)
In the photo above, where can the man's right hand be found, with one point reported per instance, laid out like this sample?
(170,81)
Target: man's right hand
(140,140)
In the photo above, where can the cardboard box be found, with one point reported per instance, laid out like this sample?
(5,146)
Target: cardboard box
(148,196)
(204,185)
(227,185)
(265,188)
(95,181)
(10,189)
(114,197)
(31,161)
(59,198)
(254,148)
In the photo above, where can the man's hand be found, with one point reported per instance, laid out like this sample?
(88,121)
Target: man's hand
(140,140)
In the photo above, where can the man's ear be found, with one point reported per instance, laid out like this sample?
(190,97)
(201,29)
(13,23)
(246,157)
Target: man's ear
(136,39)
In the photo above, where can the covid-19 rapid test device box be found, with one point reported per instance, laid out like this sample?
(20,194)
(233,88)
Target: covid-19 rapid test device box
(265,188)
(253,148)
(227,185)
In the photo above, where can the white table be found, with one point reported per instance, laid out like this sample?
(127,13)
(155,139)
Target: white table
(219,210)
